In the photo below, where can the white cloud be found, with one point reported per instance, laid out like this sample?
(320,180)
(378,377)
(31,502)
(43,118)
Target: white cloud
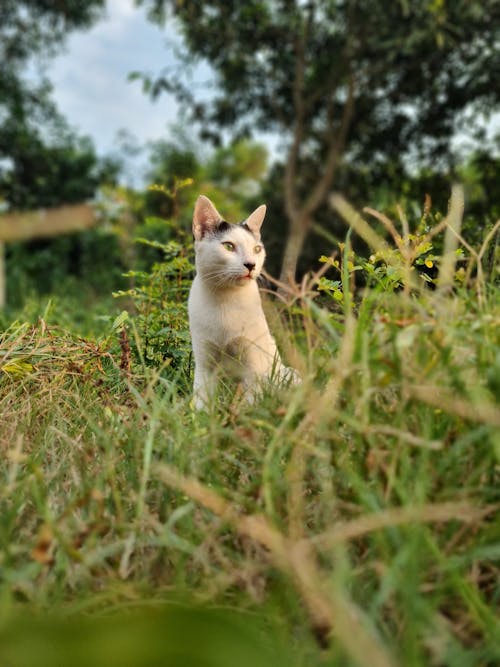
(90,78)
(122,8)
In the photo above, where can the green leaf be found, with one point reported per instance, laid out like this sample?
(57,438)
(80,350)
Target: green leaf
(120,320)
(17,368)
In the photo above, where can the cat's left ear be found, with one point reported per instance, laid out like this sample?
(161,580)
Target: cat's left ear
(205,217)
(255,219)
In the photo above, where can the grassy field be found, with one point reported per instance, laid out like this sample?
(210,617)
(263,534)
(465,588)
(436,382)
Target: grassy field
(350,520)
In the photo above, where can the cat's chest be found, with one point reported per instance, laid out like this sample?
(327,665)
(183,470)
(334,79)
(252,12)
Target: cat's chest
(240,319)
(220,320)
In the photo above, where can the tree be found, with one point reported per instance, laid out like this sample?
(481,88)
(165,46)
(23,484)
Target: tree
(229,175)
(36,145)
(34,29)
(42,161)
(41,174)
(338,80)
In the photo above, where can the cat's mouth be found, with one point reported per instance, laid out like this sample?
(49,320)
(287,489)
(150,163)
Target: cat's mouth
(246,276)
(242,278)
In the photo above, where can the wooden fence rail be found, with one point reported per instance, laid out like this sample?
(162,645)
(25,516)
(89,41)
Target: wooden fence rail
(40,224)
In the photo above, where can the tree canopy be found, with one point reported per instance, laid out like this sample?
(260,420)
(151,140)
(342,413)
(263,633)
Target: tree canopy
(42,162)
(229,175)
(29,29)
(361,81)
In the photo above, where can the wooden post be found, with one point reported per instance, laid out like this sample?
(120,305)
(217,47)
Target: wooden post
(3,293)
(40,224)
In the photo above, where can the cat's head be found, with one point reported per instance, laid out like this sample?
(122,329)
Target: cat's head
(227,255)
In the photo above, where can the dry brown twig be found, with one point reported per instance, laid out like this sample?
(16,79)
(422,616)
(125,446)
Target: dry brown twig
(398,516)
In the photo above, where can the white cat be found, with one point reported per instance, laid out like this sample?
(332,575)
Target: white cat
(228,327)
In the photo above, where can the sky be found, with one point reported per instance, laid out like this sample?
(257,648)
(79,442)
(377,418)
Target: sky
(91,86)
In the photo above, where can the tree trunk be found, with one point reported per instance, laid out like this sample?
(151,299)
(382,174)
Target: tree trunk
(300,213)
(299,228)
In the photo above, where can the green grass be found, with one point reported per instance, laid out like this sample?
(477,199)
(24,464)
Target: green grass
(353,519)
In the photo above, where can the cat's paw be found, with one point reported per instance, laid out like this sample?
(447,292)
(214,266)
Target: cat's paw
(293,376)
(286,375)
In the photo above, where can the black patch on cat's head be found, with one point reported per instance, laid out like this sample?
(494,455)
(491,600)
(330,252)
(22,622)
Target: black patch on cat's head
(221,228)
(244,226)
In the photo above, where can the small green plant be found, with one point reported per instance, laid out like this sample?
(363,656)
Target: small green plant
(413,257)
(159,298)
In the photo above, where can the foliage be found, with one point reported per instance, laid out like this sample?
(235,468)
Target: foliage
(87,261)
(98,259)
(387,188)
(229,175)
(392,267)
(364,82)
(44,163)
(394,48)
(159,295)
(40,159)
(43,174)
(30,27)
(159,298)
(143,637)
(81,264)
(364,499)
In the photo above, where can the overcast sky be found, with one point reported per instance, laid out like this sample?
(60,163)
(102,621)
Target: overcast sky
(90,78)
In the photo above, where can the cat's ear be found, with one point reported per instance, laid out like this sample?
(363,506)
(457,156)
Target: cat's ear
(255,219)
(205,217)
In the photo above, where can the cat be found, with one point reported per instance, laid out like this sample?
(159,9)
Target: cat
(229,331)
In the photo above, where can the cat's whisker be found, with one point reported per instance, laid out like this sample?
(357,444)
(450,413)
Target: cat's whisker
(220,277)
(215,275)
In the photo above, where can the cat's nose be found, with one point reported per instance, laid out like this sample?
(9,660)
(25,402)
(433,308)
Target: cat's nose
(249,265)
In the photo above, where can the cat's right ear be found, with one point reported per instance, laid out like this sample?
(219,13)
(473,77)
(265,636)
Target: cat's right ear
(205,217)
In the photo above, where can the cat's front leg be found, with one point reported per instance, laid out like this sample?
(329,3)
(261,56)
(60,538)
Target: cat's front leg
(204,386)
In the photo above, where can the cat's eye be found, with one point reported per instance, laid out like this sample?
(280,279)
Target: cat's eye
(257,249)
(228,246)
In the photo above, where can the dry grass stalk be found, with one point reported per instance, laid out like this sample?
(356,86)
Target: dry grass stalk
(488,239)
(476,260)
(440,512)
(254,526)
(360,226)
(404,436)
(388,224)
(453,226)
(440,398)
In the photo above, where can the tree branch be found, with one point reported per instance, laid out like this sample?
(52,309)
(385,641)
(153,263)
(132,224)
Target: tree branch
(335,148)
(291,200)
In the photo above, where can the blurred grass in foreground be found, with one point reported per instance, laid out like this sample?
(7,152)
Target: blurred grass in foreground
(175,636)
